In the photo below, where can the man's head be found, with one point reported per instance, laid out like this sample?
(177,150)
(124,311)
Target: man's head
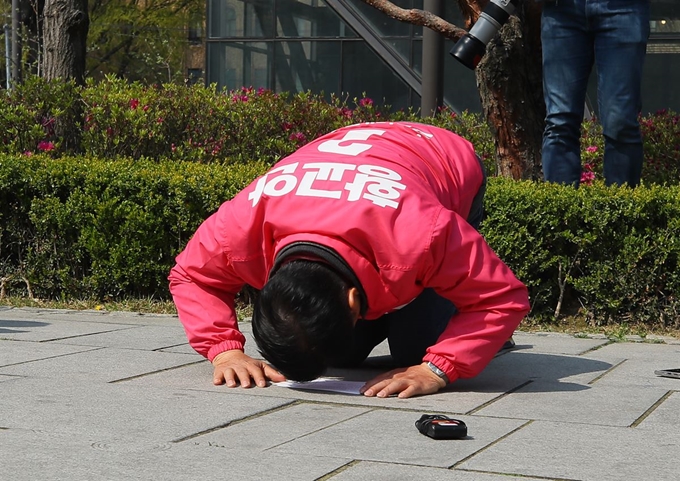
(304,318)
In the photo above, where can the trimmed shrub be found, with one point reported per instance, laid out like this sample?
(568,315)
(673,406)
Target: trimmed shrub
(611,253)
(76,227)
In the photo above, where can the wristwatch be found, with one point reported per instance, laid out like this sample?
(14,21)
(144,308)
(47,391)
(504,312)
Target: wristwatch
(438,372)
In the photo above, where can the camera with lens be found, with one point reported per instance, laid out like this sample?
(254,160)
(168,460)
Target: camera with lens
(471,47)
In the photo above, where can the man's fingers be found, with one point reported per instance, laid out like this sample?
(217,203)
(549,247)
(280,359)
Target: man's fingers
(273,374)
(258,375)
(218,377)
(394,387)
(371,390)
(243,375)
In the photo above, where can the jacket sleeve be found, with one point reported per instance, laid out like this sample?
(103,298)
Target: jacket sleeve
(203,285)
(490,300)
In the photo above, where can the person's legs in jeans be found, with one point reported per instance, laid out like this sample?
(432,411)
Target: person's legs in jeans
(567,63)
(621,30)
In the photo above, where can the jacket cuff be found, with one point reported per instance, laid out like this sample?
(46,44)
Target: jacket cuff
(223,346)
(443,364)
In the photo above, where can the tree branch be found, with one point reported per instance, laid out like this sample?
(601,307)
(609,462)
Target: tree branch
(418,17)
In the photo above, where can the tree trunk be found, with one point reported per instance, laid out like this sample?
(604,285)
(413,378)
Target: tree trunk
(509,79)
(65,28)
(510,82)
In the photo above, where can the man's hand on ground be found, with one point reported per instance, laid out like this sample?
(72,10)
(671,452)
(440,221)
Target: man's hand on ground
(234,368)
(405,382)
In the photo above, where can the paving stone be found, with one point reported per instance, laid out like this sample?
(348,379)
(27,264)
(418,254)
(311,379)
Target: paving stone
(62,416)
(181,349)
(30,455)
(106,365)
(637,363)
(520,366)
(118,414)
(275,428)
(16,352)
(665,414)
(45,329)
(110,317)
(583,452)
(149,338)
(391,436)
(555,343)
(389,472)
(612,406)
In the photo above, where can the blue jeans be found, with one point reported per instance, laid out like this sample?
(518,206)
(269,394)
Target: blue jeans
(612,35)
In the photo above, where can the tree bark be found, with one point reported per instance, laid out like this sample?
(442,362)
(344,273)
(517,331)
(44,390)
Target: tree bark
(510,82)
(65,28)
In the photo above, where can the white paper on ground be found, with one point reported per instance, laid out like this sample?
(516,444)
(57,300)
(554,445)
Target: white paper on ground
(325,384)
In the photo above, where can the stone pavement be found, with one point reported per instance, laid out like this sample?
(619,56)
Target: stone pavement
(120,396)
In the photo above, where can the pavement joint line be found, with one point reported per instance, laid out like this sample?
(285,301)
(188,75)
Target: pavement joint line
(321,429)
(137,376)
(50,357)
(601,375)
(652,408)
(234,422)
(169,347)
(358,405)
(501,396)
(339,470)
(596,348)
(492,443)
(86,335)
(521,476)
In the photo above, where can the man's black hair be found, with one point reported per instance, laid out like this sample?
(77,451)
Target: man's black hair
(302,321)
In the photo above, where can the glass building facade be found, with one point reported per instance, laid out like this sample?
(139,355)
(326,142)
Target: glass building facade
(348,48)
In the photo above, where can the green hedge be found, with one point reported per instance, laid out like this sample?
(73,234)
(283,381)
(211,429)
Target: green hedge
(79,227)
(612,253)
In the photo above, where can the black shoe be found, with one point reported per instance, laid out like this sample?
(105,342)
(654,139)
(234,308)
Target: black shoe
(509,344)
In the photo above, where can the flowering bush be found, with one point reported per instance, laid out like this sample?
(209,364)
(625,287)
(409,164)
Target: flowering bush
(40,116)
(114,118)
(661,145)
(199,124)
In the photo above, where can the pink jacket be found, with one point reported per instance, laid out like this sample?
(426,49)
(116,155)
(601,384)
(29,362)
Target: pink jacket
(390,199)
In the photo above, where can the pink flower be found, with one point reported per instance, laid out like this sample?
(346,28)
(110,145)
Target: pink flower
(45,146)
(592,149)
(145,108)
(366,102)
(134,103)
(28,153)
(298,137)
(345,112)
(587,177)
(287,126)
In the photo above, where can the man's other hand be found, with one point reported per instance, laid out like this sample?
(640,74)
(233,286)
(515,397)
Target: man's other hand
(405,382)
(235,367)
